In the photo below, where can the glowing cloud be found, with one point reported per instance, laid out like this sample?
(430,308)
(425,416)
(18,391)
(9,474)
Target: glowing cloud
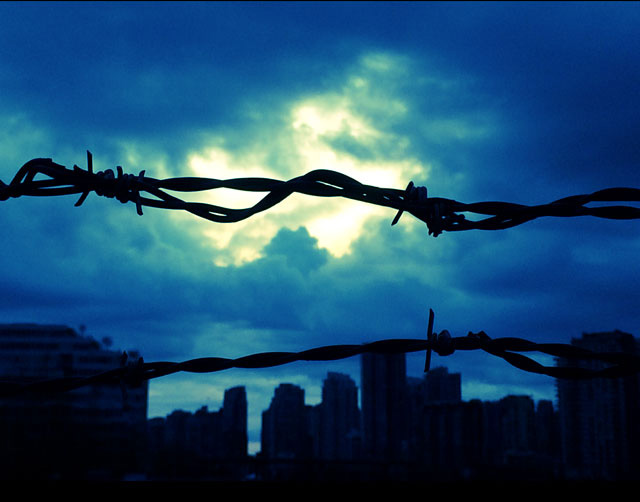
(307,141)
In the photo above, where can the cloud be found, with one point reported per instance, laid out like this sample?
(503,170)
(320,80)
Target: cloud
(477,102)
(341,130)
(297,249)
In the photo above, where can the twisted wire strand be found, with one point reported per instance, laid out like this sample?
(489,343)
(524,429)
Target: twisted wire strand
(439,214)
(620,364)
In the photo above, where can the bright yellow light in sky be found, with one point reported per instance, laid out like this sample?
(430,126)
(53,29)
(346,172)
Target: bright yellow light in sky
(338,226)
(321,119)
(305,145)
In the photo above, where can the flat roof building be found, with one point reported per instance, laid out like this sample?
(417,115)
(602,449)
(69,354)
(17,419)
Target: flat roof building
(93,431)
(599,417)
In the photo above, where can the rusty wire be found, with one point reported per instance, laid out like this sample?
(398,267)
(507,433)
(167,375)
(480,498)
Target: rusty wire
(437,213)
(615,364)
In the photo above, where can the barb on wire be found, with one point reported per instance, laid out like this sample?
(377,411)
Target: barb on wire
(437,213)
(508,349)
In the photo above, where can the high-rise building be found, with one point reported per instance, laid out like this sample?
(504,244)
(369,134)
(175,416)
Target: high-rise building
(434,410)
(285,425)
(201,445)
(437,386)
(547,431)
(599,417)
(234,423)
(442,386)
(183,445)
(384,406)
(448,438)
(339,419)
(517,426)
(93,431)
(518,439)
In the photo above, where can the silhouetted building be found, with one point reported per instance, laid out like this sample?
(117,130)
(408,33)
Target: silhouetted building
(234,423)
(384,406)
(600,417)
(285,425)
(518,439)
(440,386)
(96,431)
(201,445)
(339,419)
(517,427)
(492,433)
(449,438)
(509,429)
(436,387)
(184,444)
(547,431)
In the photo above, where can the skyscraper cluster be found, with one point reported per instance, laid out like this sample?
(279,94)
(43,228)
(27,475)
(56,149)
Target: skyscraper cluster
(393,427)
(204,444)
(407,428)
(421,428)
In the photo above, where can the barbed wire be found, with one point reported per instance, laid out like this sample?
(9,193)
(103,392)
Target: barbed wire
(136,371)
(439,214)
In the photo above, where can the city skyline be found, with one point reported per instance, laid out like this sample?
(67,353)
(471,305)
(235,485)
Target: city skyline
(393,424)
(420,433)
(258,406)
(255,432)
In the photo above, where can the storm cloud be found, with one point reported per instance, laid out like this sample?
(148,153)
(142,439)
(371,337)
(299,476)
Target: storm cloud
(520,102)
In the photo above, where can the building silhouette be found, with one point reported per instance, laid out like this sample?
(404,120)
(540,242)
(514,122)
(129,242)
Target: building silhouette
(599,418)
(286,431)
(201,445)
(436,415)
(517,429)
(96,431)
(338,419)
(547,433)
(384,399)
(234,423)
(407,428)
(440,386)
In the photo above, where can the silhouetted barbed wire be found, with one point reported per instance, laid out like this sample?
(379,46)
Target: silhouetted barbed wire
(508,348)
(437,213)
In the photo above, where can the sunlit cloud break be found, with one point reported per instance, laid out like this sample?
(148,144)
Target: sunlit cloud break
(307,141)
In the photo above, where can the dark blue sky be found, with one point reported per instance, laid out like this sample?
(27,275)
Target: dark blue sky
(519,102)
